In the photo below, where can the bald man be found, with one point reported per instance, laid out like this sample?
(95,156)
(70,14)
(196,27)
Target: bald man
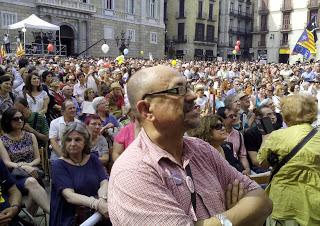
(164,178)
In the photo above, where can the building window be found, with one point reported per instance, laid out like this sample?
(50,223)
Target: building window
(199,36)
(108,32)
(239,8)
(285,38)
(210,11)
(152,8)
(286,18)
(200,9)
(181,8)
(231,6)
(129,5)
(131,35)
(8,18)
(154,37)
(109,4)
(210,33)
(312,14)
(180,31)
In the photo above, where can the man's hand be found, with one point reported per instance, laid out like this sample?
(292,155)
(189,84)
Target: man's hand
(234,193)
(6,216)
(28,128)
(108,126)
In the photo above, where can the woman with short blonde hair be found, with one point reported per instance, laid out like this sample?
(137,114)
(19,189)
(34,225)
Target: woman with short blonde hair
(296,183)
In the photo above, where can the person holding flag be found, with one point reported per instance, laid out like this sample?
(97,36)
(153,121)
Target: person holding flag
(306,44)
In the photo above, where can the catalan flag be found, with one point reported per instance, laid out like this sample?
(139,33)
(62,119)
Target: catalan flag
(2,54)
(20,51)
(306,44)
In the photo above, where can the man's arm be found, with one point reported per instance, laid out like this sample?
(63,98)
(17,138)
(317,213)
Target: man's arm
(252,209)
(56,147)
(40,136)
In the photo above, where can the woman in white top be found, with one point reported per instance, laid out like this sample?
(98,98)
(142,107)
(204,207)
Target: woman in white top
(278,94)
(37,98)
(86,106)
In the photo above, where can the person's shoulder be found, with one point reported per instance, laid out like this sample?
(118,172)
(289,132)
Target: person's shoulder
(196,145)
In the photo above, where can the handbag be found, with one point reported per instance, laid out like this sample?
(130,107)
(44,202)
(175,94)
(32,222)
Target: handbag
(19,172)
(293,152)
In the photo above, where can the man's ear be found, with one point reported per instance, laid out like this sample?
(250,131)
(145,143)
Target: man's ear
(143,107)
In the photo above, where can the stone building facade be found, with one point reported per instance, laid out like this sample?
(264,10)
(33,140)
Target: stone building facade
(235,23)
(278,26)
(192,28)
(85,22)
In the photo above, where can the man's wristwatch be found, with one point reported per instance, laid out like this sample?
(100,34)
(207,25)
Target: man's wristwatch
(223,220)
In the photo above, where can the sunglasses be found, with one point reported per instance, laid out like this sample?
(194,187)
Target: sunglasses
(219,126)
(17,119)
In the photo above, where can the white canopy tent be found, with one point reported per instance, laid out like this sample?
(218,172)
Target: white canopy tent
(34,22)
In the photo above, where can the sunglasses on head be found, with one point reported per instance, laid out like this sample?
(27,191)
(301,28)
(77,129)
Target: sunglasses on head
(17,119)
(219,126)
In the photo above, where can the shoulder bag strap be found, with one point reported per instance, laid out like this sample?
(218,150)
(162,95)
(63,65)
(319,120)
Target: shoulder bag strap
(193,194)
(293,152)
(240,142)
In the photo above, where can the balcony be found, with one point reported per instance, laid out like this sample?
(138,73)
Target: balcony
(180,39)
(286,8)
(263,10)
(313,4)
(202,16)
(213,18)
(286,28)
(205,40)
(259,30)
(69,5)
(180,15)
(284,44)
(262,44)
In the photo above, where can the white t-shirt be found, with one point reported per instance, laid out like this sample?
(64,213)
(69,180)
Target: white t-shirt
(37,104)
(202,102)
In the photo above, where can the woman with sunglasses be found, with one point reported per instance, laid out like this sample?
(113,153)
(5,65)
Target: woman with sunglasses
(37,98)
(19,149)
(213,131)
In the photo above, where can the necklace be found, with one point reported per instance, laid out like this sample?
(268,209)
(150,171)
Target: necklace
(77,163)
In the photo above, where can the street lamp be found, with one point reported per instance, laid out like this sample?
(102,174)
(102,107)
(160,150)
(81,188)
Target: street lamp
(122,41)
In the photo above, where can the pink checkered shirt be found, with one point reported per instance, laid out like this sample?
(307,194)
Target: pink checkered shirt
(234,138)
(148,187)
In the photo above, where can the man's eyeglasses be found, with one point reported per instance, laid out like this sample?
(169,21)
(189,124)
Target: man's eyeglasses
(180,91)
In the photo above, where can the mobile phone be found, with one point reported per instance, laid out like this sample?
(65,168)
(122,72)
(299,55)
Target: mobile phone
(267,125)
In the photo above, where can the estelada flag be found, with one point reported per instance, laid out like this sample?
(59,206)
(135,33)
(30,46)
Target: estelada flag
(20,51)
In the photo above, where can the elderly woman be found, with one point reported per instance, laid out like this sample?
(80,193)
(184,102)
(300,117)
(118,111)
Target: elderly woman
(19,151)
(295,189)
(99,144)
(86,105)
(116,100)
(213,131)
(278,94)
(79,181)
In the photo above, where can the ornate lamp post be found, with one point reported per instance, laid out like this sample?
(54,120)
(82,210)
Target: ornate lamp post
(122,41)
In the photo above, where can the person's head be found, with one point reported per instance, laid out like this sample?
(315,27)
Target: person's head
(233,102)
(88,94)
(33,82)
(93,123)
(68,109)
(244,101)
(161,99)
(211,129)
(317,67)
(47,77)
(228,115)
(298,109)
(75,140)
(199,89)
(67,91)
(70,80)
(261,90)
(116,89)
(266,111)
(279,90)
(5,83)
(236,85)
(21,104)
(100,105)
(81,77)
(23,62)
(12,120)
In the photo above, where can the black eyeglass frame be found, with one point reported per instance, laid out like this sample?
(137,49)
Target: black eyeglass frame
(179,90)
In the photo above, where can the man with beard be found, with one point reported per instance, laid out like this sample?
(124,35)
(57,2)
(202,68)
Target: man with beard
(164,178)
(253,136)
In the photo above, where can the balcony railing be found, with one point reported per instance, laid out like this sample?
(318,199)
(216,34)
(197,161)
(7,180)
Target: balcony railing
(286,7)
(313,4)
(202,16)
(260,29)
(180,15)
(180,39)
(284,43)
(68,4)
(286,27)
(263,10)
(206,40)
(213,18)
(262,44)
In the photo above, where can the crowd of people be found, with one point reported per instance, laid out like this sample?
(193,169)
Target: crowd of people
(181,141)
